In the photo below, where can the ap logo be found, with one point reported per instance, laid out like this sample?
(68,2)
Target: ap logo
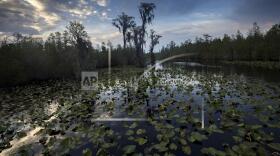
(89,80)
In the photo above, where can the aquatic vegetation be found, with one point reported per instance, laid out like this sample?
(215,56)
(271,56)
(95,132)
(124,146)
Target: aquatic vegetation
(161,114)
(129,149)
(260,64)
(212,151)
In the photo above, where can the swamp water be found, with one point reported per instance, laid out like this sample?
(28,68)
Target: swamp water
(176,110)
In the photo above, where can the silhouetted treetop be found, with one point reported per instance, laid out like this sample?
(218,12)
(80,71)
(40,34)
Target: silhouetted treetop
(124,22)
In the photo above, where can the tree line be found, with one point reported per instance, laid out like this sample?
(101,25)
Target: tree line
(256,46)
(65,54)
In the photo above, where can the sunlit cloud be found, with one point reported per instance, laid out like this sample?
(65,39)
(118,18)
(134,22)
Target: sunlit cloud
(34,26)
(104,14)
(29,16)
(110,36)
(50,18)
(82,13)
(174,21)
(98,38)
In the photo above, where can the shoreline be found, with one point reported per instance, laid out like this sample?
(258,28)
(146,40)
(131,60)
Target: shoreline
(259,64)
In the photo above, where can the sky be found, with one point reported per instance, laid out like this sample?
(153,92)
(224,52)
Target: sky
(175,20)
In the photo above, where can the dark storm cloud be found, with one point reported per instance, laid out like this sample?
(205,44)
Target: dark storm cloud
(257,11)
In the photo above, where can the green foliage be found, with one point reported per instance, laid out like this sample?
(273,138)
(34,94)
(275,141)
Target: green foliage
(124,22)
(257,46)
(129,149)
(61,56)
(275,146)
(87,152)
(154,41)
(186,150)
(195,136)
(212,151)
(65,54)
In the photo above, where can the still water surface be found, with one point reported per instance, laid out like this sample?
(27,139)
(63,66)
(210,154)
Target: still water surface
(181,108)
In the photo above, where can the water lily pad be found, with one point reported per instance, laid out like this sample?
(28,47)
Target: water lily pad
(133,125)
(161,147)
(140,131)
(275,146)
(186,150)
(195,136)
(237,138)
(212,151)
(141,141)
(131,138)
(129,149)
(245,148)
(183,141)
(129,132)
(87,152)
(173,146)
(101,152)
(213,129)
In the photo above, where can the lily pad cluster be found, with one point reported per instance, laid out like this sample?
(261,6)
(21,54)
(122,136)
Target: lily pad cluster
(167,112)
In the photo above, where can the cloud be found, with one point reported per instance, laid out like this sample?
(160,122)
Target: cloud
(103,33)
(28,16)
(49,18)
(195,25)
(39,16)
(81,10)
(257,11)
(13,16)
(82,13)
(175,20)
(102,3)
